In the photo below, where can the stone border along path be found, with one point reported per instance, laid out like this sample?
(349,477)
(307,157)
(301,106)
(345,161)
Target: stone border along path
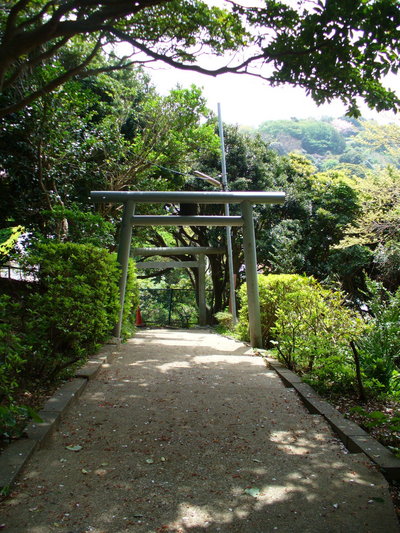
(248,458)
(353,437)
(17,454)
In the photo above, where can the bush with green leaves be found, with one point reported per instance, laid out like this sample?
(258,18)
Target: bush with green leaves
(58,320)
(273,289)
(333,374)
(225,320)
(73,308)
(312,325)
(131,302)
(11,349)
(379,347)
(11,364)
(309,326)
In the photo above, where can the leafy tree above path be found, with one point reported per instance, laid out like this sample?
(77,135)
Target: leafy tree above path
(334,49)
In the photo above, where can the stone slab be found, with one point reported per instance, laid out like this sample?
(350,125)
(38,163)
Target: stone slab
(379,454)
(274,363)
(318,406)
(65,395)
(40,431)
(13,459)
(90,370)
(106,353)
(345,429)
(288,377)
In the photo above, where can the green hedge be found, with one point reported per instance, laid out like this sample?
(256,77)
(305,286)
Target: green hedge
(74,306)
(131,302)
(61,319)
(309,326)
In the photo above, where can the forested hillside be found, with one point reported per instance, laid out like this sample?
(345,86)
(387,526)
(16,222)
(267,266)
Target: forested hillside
(342,143)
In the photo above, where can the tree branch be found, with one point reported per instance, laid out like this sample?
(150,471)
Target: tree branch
(51,85)
(33,62)
(238,69)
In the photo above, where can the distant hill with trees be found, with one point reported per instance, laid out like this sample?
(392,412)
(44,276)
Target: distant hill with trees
(336,143)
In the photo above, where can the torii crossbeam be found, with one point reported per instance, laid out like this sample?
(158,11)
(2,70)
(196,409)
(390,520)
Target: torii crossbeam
(246,201)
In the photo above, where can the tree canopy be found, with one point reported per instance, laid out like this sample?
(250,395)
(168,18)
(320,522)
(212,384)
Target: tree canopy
(331,48)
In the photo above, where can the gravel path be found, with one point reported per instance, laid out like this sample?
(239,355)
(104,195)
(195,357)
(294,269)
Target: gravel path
(187,431)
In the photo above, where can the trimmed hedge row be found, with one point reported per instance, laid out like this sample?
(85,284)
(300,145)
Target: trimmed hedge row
(60,319)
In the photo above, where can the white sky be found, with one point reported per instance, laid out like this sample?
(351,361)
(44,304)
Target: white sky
(248,101)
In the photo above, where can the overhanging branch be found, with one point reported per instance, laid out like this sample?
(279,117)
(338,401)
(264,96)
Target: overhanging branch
(238,69)
(53,84)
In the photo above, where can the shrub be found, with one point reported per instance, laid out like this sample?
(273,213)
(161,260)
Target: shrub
(273,290)
(380,345)
(310,328)
(225,320)
(11,364)
(11,350)
(75,307)
(312,325)
(58,321)
(131,301)
(333,374)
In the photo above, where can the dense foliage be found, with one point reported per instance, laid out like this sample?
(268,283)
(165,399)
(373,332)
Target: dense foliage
(53,323)
(333,49)
(314,332)
(356,146)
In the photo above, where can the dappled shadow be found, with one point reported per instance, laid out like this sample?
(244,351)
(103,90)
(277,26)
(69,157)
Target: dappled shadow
(189,432)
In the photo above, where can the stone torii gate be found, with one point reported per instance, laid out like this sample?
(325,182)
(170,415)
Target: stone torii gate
(200,263)
(246,201)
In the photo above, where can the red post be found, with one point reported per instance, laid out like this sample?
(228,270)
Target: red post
(139,321)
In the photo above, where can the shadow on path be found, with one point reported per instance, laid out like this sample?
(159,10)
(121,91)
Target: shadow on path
(187,431)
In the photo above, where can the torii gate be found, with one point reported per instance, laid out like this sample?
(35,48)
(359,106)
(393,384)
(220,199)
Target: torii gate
(246,201)
(200,263)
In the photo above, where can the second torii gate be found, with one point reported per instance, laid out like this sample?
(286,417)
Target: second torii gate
(246,201)
(200,263)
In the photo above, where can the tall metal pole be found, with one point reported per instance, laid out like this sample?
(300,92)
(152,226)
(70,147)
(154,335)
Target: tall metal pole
(250,258)
(124,248)
(228,228)
(202,291)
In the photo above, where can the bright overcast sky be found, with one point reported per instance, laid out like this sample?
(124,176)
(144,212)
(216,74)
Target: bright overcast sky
(249,101)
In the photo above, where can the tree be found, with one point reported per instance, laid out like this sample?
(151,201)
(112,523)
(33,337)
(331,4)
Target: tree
(111,132)
(298,237)
(320,138)
(313,136)
(374,234)
(378,220)
(381,140)
(331,48)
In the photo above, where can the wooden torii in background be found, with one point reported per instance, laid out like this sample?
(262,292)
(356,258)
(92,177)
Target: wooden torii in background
(246,200)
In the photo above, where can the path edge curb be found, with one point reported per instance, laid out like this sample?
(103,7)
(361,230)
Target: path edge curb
(354,438)
(15,456)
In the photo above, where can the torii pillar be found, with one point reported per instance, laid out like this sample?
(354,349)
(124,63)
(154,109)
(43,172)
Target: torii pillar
(245,199)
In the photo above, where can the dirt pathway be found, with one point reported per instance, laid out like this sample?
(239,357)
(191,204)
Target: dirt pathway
(187,431)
